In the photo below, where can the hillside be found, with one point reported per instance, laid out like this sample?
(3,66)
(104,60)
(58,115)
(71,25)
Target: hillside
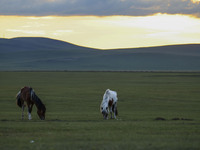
(48,54)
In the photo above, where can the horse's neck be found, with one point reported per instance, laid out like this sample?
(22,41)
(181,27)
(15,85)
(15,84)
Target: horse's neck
(106,96)
(105,101)
(38,103)
(38,106)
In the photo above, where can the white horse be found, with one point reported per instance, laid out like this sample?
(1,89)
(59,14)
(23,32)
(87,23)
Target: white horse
(109,104)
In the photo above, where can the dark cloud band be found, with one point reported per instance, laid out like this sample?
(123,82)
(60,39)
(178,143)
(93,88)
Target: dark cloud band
(98,7)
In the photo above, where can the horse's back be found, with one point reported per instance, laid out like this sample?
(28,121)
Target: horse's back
(26,89)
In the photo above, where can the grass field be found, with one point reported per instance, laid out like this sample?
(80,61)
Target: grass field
(73,120)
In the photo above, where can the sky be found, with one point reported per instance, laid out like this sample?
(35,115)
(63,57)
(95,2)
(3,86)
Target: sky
(103,24)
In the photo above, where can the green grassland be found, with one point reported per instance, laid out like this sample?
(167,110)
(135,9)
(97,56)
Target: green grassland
(73,120)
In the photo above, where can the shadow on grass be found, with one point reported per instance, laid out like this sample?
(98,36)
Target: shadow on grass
(174,119)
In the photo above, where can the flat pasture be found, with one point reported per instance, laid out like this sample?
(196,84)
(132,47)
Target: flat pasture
(157,111)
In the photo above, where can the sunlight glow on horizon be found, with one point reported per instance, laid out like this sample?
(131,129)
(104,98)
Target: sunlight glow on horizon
(196,1)
(106,32)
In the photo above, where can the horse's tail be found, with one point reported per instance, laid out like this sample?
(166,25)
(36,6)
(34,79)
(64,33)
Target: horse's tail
(19,103)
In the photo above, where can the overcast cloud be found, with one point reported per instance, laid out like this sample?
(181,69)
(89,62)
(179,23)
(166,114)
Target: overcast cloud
(98,7)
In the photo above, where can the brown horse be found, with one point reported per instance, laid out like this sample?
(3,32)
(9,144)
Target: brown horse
(28,95)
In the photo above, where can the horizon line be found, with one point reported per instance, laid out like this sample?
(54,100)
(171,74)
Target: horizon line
(165,45)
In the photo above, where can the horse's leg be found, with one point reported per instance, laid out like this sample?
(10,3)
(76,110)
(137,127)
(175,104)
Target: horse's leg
(111,112)
(23,111)
(114,115)
(114,110)
(29,111)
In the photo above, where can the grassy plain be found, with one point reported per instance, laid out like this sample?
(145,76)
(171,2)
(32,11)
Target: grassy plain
(73,120)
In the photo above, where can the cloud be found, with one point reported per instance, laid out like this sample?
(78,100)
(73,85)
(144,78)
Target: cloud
(36,32)
(196,1)
(98,7)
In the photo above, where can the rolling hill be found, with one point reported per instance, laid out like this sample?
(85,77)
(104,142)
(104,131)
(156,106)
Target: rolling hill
(35,54)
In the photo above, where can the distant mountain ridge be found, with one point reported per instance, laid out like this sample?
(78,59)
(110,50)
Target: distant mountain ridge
(30,42)
(53,55)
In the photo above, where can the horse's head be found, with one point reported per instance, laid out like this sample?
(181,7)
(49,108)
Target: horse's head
(104,111)
(41,113)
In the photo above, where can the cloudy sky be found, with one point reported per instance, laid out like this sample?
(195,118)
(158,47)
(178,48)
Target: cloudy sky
(103,23)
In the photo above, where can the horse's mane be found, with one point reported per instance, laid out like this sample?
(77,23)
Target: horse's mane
(37,100)
(106,94)
(105,98)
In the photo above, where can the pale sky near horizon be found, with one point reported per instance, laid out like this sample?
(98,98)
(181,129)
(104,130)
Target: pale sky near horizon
(105,24)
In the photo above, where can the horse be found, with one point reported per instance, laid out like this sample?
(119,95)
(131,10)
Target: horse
(109,104)
(27,94)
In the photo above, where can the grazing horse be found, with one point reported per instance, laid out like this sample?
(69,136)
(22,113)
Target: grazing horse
(109,104)
(28,95)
